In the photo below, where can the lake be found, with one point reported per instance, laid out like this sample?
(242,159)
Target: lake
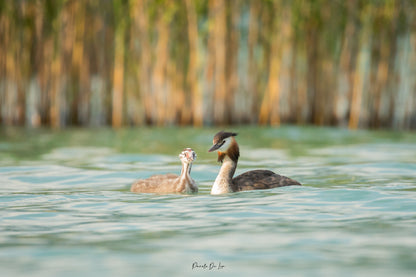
(66,208)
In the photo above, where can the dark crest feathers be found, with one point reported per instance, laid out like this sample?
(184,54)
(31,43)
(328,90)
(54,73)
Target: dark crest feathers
(223,135)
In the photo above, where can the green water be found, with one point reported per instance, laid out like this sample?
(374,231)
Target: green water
(66,209)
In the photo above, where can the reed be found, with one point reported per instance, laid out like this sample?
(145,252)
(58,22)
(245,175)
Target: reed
(184,62)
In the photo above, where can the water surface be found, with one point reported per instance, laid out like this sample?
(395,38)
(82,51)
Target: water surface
(66,209)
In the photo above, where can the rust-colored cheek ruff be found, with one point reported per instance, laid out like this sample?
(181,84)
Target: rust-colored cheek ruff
(221,156)
(233,151)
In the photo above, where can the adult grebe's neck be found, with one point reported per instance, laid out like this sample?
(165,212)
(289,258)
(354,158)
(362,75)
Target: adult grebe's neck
(229,161)
(224,179)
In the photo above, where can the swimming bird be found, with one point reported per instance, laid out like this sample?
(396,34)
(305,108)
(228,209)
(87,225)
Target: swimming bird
(250,180)
(170,183)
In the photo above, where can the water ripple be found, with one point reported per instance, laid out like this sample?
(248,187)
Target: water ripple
(355,214)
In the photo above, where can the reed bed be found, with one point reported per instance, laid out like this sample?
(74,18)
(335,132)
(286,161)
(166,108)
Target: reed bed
(164,62)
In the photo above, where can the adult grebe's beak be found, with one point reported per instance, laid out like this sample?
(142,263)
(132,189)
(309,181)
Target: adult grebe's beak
(215,147)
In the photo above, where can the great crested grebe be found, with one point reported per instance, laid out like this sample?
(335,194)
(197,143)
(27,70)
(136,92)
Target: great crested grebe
(251,180)
(170,183)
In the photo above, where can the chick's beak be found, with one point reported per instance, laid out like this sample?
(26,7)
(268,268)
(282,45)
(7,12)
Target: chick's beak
(191,155)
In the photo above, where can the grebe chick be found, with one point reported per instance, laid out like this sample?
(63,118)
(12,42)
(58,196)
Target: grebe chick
(251,180)
(170,183)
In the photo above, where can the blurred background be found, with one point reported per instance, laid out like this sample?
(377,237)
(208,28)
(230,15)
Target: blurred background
(208,62)
(67,67)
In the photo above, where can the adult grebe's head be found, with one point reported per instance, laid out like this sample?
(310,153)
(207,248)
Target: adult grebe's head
(225,144)
(187,155)
(221,141)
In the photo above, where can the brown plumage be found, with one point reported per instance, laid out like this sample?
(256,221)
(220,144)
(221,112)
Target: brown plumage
(251,180)
(170,183)
(261,179)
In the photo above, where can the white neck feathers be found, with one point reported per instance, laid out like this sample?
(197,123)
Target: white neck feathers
(223,181)
(186,183)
